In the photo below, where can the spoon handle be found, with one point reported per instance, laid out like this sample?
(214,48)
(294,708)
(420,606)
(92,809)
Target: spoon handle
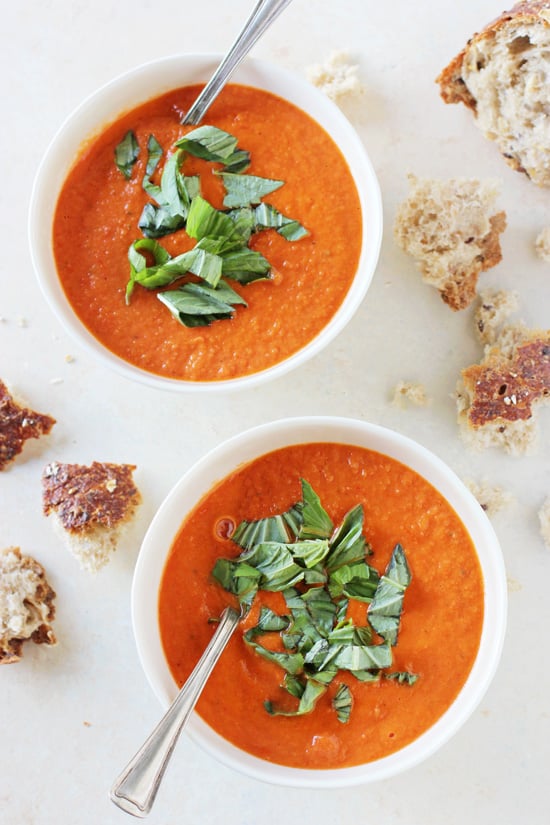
(136,788)
(262,16)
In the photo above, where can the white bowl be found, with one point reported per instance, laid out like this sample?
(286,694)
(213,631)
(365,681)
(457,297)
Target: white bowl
(142,84)
(256,442)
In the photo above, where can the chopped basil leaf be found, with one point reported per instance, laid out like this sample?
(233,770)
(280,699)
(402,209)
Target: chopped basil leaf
(384,612)
(308,700)
(316,522)
(403,677)
(138,262)
(209,143)
(342,703)
(154,155)
(204,221)
(245,265)
(246,190)
(127,153)
(272,528)
(267,217)
(198,305)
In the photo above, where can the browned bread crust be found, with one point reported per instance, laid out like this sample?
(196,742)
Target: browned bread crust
(451,83)
(14,564)
(84,497)
(17,424)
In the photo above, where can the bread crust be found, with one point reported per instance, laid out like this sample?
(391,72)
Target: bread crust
(17,424)
(84,498)
(451,84)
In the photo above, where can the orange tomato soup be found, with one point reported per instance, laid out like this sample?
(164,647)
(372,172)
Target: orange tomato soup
(440,625)
(97,215)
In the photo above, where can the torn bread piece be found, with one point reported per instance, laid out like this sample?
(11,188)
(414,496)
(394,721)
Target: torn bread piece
(544,521)
(498,398)
(491,497)
(17,424)
(409,391)
(452,230)
(337,78)
(26,604)
(90,505)
(503,76)
(494,308)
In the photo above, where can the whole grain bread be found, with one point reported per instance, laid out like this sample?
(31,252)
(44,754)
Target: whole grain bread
(26,604)
(503,76)
(452,230)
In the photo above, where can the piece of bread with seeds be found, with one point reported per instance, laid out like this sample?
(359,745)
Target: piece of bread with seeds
(17,424)
(26,604)
(90,507)
(494,307)
(503,76)
(498,398)
(452,230)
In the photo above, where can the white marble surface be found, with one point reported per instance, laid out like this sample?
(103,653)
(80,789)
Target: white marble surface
(73,714)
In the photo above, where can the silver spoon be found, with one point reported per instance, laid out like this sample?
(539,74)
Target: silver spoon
(136,788)
(263,15)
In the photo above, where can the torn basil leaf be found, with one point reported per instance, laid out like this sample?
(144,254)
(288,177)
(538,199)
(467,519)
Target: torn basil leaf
(402,677)
(246,190)
(342,703)
(127,153)
(211,143)
(199,305)
(316,522)
(267,217)
(154,156)
(384,612)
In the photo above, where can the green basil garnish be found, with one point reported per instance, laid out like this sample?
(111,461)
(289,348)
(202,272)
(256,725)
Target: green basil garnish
(127,153)
(222,235)
(318,568)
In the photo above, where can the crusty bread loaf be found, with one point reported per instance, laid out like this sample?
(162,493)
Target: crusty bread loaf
(17,424)
(498,398)
(452,230)
(26,604)
(503,76)
(90,507)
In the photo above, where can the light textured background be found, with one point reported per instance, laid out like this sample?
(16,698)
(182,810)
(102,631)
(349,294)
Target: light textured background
(72,715)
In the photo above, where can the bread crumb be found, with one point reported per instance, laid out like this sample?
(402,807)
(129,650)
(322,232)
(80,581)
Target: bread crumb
(408,391)
(544,521)
(337,78)
(26,604)
(542,244)
(497,399)
(452,231)
(69,359)
(90,506)
(494,307)
(22,322)
(513,585)
(491,497)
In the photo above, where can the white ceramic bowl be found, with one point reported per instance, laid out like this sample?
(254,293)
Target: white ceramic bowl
(142,84)
(256,442)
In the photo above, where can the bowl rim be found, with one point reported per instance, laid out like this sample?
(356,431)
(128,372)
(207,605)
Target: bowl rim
(238,450)
(110,101)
